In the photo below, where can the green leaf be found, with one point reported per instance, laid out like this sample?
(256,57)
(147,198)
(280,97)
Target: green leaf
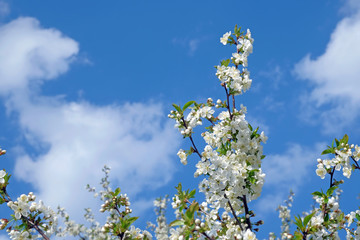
(250,127)
(298,236)
(298,222)
(1,200)
(176,222)
(307,219)
(345,139)
(187,105)
(177,108)
(326,218)
(327,151)
(132,220)
(179,188)
(318,194)
(357,217)
(192,193)
(225,62)
(189,215)
(330,191)
(117,191)
(7,177)
(194,207)
(254,134)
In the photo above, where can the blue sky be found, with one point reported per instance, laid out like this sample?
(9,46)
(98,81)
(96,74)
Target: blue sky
(88,83)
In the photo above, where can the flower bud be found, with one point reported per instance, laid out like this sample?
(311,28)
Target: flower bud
(197,221)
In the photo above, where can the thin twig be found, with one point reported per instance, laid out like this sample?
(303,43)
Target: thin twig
(331,177)
(356,163)
(247,215)
(36,227)
(191,139)
(227,100)
(233,213)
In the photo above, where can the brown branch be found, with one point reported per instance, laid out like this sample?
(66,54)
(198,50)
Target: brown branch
(36,227)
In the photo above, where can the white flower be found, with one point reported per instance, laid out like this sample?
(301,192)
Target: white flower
(2,175)
(20,209)
(347,172)
(321,172)
(182,155)
(249,235)
(356,153)
(225,38)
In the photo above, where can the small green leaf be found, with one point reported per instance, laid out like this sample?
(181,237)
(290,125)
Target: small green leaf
(318,194)
(192,193)
(254,133)
(330,191)
(194,207)
(298,236)
(189,214)
(179,188)
(357,216)
(188,104)
(307,218)
(326,218)
(327,151)
(7,177)
(345,139)
(117,191)
(225,62)
(177,108)
(298,222)
(132,220)
(176,222)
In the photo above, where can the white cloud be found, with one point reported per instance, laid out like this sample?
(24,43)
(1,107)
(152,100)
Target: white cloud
(80,138)
(73,140)
(335,76)
(30,54)
(289,170)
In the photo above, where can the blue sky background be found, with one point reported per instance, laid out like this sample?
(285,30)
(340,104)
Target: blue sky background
(88,83)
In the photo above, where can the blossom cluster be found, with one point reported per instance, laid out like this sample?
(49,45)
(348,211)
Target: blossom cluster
(343,154)
(284,215)
(235,80)
(231,159)
(36,214)
(161,229)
